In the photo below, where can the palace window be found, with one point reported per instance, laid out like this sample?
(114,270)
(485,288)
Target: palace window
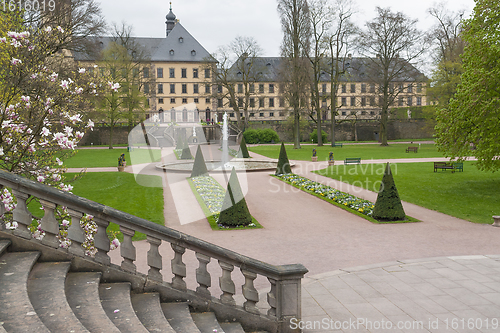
(159,73)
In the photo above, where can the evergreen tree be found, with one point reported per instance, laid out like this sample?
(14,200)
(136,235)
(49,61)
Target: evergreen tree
(199,166)
(283,163)
(243,153)
(186,154)
(234,210)
(388,205)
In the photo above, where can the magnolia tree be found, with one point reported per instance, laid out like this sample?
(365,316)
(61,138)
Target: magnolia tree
(42,96)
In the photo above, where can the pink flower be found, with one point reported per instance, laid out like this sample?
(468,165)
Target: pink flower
(60,29)
(15,61)
(3,40)
(81,70)
(48,29)
(90,125)
(40,178)
(64,84)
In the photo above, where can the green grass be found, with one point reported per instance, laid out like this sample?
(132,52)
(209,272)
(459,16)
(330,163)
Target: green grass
(121,191)
(365,151)
(210,216)
(471,195)
(98,158)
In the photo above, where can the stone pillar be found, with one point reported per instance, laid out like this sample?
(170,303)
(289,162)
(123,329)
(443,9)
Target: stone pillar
(496,221)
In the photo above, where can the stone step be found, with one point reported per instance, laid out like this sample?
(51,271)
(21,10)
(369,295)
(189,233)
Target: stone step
(82,292)
(148,309)
(48,297)
(116,302)
(206,322)
(2,330)
(16,312)
(179,317)
(4,244)
(232,327)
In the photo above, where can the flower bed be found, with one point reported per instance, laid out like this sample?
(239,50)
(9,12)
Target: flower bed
(210,196)
(361,206)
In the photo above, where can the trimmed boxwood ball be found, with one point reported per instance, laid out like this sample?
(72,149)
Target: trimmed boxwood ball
(199,166)
(283,163)
(234,210)
(243,153)
(388,206)
(314,136)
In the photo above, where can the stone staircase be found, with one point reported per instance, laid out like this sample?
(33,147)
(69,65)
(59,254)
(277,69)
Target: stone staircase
(46,288)
(40,296)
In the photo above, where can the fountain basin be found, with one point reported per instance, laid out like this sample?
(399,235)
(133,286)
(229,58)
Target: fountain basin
(239,164)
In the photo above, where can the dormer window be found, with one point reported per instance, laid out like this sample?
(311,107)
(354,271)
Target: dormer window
(172,52)
(181,40)
(193,53)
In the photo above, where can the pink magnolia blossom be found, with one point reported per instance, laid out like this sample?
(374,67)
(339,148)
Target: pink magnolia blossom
(15,61)
(45,131)
(64,84)
(81,70)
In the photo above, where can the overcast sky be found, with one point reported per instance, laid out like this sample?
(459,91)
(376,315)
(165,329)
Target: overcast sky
(217,22)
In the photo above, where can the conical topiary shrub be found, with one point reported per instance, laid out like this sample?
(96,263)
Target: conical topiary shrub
(199,166)
(283,163)
(186,154)
(243,153)
(234,210)
(388,206)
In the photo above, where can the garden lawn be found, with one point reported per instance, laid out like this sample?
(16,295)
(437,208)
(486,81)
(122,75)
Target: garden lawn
(365,151)
(121,191)
(99,158)
(471,195)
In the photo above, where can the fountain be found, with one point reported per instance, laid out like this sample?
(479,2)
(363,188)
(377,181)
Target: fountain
(239,164)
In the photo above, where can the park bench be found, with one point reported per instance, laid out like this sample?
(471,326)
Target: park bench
(337,144)
(352,160)
(451,166)
(413,149)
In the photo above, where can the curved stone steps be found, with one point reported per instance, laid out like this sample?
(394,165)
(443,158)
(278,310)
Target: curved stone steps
(116,302)
(48,297)
(148,309)
(82,292)
(232,327)
(16,312)
(206,322)
(179,317)
(4,244)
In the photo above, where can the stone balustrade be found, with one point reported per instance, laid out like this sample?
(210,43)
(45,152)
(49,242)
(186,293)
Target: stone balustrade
(284,298)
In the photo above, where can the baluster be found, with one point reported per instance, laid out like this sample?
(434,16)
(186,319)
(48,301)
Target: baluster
(226,284)
(101,241)
(154,259)
(127,250)
(271,298)
(2,211)
(250,293)
(21,215)
(76,234)
(202,275)
(49,224)
(178,268)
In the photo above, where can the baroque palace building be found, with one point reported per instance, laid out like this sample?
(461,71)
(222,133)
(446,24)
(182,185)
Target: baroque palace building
(180,86)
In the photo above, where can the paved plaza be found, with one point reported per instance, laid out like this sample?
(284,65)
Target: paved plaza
(438,275)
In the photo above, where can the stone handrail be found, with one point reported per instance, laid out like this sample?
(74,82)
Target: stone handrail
(284,297)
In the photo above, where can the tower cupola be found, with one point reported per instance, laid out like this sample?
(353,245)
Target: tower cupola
(171,20)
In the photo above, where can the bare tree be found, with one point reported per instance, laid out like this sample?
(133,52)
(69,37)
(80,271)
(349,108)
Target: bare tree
(83,18)
(390,44)
(295,22)
(238,68)
(338,42)
(446,36)
(320,14)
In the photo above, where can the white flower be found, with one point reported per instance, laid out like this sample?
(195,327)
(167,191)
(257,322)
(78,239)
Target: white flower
(34,76)
(60,29)
(64,84)
(90,125)
(65,223)
(79,134)
(45,131)
(81,70)
(68,130)
(78,90)
(3,40)
(48,29)
(1,151)
(53,76)
(15,61)
(40,178)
